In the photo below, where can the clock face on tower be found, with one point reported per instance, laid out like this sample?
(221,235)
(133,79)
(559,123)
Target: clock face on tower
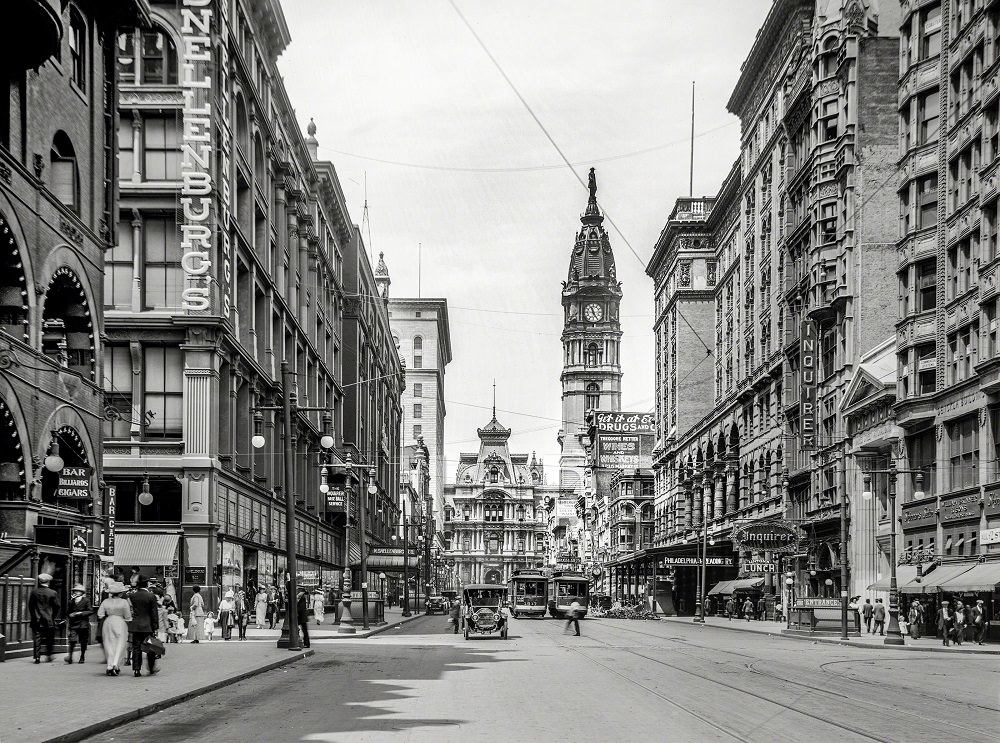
(593,313)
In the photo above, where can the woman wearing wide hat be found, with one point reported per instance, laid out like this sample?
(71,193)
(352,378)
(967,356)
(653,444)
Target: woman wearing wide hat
(227,611)
(116,613)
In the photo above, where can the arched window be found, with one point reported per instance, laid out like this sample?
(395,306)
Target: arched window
(159,58)
(494,474)
(242,127)
(259,163)
(418,352)
(593,401)
(13,286)
(593,355)
(63,182)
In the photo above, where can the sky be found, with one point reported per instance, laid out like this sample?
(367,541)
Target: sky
(468,193)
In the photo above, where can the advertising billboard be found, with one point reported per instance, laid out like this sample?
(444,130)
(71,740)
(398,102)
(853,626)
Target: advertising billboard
(625,440)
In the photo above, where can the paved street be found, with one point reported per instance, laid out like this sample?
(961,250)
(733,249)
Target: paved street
(621,680)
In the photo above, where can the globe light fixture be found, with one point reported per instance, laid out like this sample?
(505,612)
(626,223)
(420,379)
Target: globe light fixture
(324,486)
(145,497)
(789,581)
(53,462)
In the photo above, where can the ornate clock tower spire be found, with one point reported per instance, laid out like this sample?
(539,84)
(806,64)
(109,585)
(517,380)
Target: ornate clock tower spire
(591,338)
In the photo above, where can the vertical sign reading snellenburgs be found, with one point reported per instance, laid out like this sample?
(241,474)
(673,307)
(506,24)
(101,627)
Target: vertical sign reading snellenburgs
(197,222)
(807,399)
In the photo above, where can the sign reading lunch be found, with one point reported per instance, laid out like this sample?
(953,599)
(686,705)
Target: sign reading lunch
(196,146)
(769,536)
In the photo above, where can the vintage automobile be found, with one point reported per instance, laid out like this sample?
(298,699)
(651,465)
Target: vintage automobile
(437,604)
(482,609)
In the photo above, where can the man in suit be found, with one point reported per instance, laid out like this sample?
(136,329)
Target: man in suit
(866,612)
(878,615)
(43,609)
(78,613)
(977,616)
(145,622)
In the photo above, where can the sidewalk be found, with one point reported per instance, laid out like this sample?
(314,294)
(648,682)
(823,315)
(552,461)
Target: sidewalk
(330,631)
(61,702)
(924,644)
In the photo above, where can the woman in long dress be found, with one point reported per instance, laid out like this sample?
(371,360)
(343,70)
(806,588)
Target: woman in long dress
(227,615)
(196,620)
(116,613)
(261,607)
(318,605)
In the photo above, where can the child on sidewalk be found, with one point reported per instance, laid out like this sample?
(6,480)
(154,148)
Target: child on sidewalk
(210,625)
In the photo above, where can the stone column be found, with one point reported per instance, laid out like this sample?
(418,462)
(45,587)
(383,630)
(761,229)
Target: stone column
(698,498)
(720,481)
(688,505)
(137,253)
(732,482)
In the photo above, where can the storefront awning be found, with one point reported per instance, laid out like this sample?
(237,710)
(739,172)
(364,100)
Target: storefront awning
(747,584)
(145,548)
(723,586)
(940,576)
(983,577)
(906,578)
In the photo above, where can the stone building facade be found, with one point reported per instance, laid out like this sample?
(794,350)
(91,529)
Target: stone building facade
(779,284)
(236,254)
(57,219)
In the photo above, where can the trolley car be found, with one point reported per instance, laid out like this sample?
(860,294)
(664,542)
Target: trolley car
(564,589)
(526,593)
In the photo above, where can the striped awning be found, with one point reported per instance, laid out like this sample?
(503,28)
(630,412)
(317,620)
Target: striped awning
(942,576)
(983,577)
(747,584)
(145,549)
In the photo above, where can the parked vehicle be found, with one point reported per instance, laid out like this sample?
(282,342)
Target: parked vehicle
(482,609)
(437,605)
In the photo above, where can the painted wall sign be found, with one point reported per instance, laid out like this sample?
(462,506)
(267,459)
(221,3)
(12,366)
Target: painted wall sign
(197,223)
(925,515)
(814,602)
(682,560)
(989,536)
(760,567)
(992,504)
(772,536)
(807,397)
(961,508)
(195,576)
(626,422)
(74,482)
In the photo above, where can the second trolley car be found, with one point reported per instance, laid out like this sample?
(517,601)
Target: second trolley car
(526,593)
(564,589)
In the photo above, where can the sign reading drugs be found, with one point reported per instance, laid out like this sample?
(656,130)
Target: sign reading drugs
(769,536)
(807,397)
(197,224)
(625,440)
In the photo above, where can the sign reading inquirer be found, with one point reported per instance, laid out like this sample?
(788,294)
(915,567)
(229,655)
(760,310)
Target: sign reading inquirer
(769,536)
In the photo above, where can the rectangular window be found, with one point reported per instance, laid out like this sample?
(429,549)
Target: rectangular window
(928,115)
(78,50)
(164,276)
(930,32)
(118,391)
(118,269)
(921,450)
(162,144)
(828,120)
(418,390)
(926,285)
(126,149)
(963,438)
(418,431)
(418,362)
(926,356)
(164,391)
(418,410)
(927,198)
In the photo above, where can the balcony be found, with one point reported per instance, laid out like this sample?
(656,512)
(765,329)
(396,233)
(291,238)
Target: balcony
(40,20)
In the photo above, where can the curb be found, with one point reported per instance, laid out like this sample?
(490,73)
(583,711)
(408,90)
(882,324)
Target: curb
(832,641)
(154,707)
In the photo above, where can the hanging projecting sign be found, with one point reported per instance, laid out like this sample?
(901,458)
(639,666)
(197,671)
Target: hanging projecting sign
(336,500)
(74,482)
(769,536)
(112,502)
(807,386)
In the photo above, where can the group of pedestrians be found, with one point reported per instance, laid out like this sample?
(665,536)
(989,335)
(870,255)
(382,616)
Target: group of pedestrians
(747,609)
(953,623)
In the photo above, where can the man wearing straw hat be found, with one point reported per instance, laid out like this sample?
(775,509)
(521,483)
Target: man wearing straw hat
(43,608)
(78,613)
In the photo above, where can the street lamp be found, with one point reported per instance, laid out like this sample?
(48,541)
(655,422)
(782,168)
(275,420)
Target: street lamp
(346,618)
(372,490)
(699,611)
(289,409)
(893,636)
(381,577)
(406,559)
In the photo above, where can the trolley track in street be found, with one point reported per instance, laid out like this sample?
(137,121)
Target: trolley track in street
(837,697)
